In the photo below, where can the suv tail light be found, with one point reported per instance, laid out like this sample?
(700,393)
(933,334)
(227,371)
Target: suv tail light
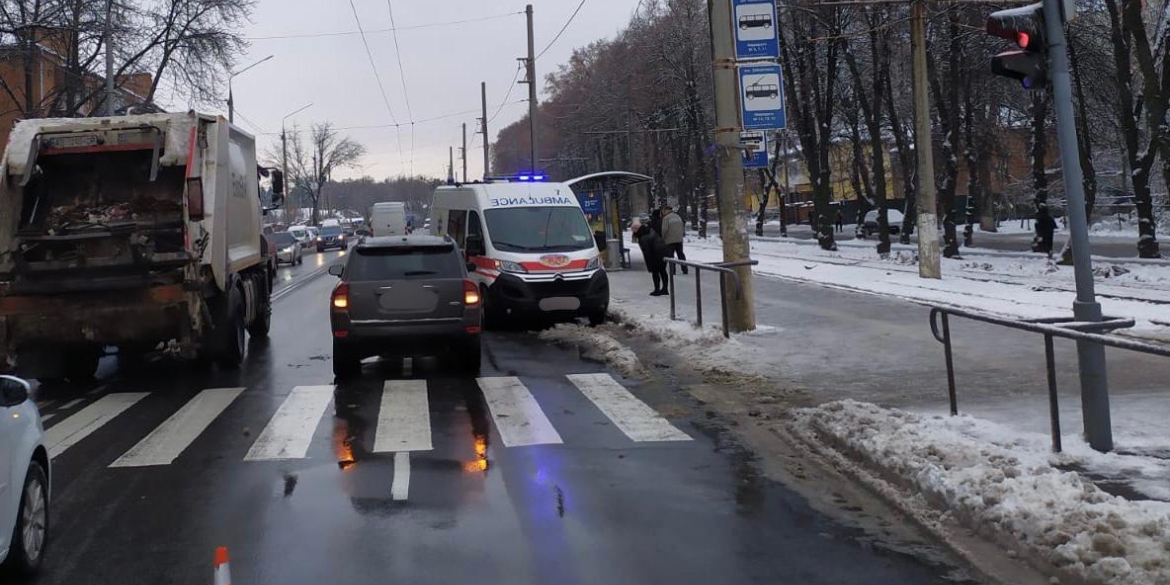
(340,299)
(470,294)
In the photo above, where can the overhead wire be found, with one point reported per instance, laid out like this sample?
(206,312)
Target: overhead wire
(511,86)
(561,32)
(378,77)
(402,78)
(420,121)
(380,30)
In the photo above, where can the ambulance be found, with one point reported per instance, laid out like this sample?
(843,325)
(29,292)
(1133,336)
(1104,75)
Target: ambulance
(532,251)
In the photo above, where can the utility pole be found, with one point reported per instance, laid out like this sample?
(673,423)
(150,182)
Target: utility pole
(531,62)
(729,158)
(1094,384)
(463,152)
(787,189)
(483,104)
(928,254)
(450,165)
(110,58)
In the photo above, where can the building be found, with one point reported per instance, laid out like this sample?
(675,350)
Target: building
(38,81)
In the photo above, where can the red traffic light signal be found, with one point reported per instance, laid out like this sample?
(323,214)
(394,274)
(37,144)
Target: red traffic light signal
(1025,27)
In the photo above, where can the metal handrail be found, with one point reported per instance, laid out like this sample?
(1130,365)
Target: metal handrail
(724,269)
(1049,327)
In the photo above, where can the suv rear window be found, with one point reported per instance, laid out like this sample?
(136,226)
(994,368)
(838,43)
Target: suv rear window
(404,263)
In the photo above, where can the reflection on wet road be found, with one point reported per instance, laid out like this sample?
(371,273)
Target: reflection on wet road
(544,469)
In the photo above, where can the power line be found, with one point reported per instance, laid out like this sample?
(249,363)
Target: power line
(402,78)
(421,121)
(380,30)
(511,86)
(562,31)
(381,87)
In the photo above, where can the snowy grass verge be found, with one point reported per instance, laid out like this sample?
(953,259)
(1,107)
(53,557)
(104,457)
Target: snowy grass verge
(597,344)
(1008,490)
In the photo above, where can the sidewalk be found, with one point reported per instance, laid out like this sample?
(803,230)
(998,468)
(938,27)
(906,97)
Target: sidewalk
(843,364)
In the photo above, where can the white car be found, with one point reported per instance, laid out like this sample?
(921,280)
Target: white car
(24,480)
(288,248)
(303,235)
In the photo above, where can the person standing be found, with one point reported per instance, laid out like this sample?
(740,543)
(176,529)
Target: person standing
(654,251)
(672,233)
(1045,230)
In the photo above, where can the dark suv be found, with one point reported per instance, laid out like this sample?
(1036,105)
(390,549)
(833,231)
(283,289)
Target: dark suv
(332,236)
(404,295)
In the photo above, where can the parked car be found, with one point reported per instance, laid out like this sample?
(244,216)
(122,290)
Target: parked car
(332,236)
(24,480)
(894,216)
(288,248)
(404,293)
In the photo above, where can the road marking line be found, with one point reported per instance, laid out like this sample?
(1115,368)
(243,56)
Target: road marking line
(46,417)
(400,485)
(72,430)
(635,418)
(407,366)
(288,434)
(70,404)
(166,442)
(518,416)
(404,421)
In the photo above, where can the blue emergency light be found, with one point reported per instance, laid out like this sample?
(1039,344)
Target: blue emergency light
(530,178)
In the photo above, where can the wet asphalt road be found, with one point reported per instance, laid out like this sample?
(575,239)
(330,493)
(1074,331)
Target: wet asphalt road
(288,474)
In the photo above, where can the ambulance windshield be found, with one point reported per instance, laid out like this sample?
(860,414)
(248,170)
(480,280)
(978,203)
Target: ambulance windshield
(545,229)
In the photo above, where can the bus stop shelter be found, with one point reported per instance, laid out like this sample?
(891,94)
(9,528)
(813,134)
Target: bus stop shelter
(603,197)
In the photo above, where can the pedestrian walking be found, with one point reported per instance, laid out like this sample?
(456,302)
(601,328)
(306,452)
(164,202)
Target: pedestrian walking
(654,252)
(672,233)
(840,221)
(1045,230)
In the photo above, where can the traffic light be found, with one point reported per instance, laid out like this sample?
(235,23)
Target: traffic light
(1025,27)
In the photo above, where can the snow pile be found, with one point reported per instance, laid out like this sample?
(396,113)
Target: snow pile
(1003,488)
(598,345)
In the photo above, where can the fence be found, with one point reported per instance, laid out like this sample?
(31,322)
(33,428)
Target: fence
(1063,327)
(724,269)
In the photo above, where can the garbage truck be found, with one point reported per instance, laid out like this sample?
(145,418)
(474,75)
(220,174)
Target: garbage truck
(131,234)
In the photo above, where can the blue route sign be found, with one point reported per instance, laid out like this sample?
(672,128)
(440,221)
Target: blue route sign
(755,154)
(761,97)
(756,28)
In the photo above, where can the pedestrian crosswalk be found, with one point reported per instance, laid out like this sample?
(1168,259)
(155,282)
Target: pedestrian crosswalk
(403,421)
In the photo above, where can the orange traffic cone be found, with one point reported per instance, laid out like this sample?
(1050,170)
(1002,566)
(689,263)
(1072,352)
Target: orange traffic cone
(223,570)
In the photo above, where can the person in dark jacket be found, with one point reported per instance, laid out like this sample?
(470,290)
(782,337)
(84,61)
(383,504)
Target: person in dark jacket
(656,221)
(654,250)
(1045,230)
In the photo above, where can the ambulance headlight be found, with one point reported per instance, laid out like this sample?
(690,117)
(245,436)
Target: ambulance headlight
(509,266)
(594,263)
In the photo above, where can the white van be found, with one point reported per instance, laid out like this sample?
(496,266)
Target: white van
(533,251)
(388,219)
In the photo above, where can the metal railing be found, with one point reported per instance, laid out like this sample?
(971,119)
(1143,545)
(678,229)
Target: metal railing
(1063,327)
(724,269)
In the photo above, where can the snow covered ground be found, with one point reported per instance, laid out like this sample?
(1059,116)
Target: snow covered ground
(1003,485)
(988,281)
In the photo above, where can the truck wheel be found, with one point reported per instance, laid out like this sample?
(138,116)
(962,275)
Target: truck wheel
(263,321)
(231,332)
(30,537)
(81,365)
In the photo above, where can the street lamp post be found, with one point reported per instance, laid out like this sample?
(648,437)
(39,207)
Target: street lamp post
(231,101)
(284,141)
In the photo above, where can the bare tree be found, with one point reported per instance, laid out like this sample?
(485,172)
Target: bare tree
(313,159)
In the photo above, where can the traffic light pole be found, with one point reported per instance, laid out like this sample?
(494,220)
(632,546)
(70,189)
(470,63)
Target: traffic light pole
(1094,385)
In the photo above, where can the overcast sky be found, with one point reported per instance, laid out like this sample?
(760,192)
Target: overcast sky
(443,68)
